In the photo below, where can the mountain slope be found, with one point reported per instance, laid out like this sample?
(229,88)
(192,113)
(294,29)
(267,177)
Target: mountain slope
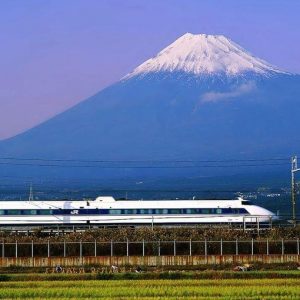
(203,97)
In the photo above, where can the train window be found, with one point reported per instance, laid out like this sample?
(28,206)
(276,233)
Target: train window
(246,202)
(218,210)
(2,212)
(228,211)
(205,211)
(45,212)
(29,212)
(191,211)
(127,211)
(14,212)
(174,211)
(165,211)
(159,211)
(115,211)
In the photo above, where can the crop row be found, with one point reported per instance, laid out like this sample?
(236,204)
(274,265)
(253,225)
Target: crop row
(154,289)
(30,278)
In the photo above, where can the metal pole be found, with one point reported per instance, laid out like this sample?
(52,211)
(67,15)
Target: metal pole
(3,249)
(158,248)
(267,247)
(127,248)
(48,248)
(221,247)
(32,253)
(236,247)
(252,247)
(95,248)
(205,247)
(190,247)
(16,249)
(282,247)
(111,248)
(174,248)
(143,247)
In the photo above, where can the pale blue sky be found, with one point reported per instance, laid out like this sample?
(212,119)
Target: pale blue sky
(56,53)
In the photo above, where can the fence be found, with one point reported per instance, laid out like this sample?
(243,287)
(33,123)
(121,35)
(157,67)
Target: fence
(148,248)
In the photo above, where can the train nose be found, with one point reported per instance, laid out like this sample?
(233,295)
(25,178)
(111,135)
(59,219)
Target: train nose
(263,214)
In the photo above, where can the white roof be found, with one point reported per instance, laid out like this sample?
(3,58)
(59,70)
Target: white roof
(110,202)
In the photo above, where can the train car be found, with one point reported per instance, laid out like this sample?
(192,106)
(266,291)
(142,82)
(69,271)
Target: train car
(108,211)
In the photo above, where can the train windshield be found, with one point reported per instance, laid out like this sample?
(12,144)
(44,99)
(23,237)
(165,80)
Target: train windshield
(246,202)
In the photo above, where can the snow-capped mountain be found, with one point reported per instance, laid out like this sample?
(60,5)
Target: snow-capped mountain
(202,97)
(203,54)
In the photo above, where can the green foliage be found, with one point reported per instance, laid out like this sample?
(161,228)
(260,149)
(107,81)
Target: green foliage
(105,276)
(191,275)
(172,275)
(4,277)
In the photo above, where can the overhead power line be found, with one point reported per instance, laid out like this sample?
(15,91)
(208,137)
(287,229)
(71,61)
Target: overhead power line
(80,191)
(141,167)
(142,164)
(145,161)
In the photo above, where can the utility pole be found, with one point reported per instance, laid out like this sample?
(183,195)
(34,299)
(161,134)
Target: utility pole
(30,193)
(294,170)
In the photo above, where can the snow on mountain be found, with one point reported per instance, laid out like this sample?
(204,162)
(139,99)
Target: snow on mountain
(205,54)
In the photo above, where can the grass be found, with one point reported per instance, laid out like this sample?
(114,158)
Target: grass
(68,288)
(186,275)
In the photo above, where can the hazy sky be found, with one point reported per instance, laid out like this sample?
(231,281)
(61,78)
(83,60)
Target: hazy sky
(56,53)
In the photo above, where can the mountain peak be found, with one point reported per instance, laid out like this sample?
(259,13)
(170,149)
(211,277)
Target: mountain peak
(205,54)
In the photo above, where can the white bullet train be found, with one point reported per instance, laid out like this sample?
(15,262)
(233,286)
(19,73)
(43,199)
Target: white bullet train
(108,211)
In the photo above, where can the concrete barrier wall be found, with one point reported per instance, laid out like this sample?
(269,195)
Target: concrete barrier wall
(183,260)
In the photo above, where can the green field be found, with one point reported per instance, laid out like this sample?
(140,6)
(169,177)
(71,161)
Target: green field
(283,288)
